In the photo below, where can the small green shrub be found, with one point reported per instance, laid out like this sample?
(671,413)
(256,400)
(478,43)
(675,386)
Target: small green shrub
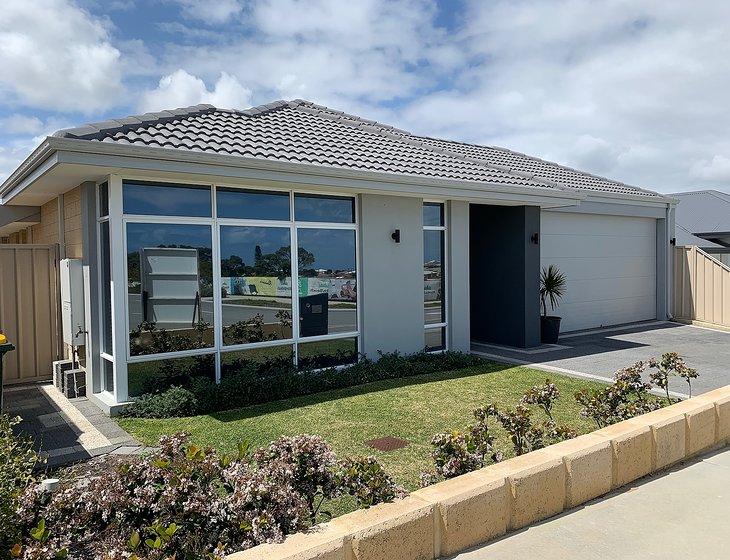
(246,383)
(366,480)
(171,403)
(627,397)
(18,460)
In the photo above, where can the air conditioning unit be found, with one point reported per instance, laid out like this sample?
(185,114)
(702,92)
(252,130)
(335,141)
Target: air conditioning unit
(72,302)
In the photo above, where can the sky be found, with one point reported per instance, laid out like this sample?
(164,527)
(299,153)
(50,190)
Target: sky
(633,90)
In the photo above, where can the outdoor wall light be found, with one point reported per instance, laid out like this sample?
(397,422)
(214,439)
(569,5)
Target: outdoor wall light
(396,236)
(535,238)
(673,241)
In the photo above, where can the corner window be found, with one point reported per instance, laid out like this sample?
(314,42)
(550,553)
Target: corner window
(162,199)
(434,276)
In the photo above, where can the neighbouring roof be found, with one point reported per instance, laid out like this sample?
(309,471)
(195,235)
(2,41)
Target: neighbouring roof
(301,131)
(685,237)
(703,211)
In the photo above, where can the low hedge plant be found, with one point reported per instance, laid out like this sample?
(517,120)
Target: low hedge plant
(247,383)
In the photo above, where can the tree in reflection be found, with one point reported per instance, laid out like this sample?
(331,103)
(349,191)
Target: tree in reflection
(275,264)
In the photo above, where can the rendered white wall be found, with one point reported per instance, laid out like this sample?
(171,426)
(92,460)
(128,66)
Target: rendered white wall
(391,274)
(610,265)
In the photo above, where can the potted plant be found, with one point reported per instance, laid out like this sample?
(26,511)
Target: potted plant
(552,289)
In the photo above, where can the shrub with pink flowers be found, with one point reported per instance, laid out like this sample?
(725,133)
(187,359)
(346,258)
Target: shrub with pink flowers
(182,502)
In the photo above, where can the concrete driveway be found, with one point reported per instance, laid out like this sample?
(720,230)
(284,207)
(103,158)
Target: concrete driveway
(601,353)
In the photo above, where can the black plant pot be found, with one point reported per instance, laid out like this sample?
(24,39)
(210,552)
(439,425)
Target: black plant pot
(549,329)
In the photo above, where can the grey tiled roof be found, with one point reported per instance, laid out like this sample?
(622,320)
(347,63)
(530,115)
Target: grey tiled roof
(300,131)
(522,163)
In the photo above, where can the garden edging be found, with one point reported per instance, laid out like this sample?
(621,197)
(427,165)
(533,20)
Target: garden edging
(471,509)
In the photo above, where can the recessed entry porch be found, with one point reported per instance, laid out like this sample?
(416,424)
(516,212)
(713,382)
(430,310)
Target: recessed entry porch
(504,265)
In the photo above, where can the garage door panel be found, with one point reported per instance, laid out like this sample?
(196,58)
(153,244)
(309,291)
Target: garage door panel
(588,315)
(580,291)
(605,245)
(609,263)
(597,224)
(599,268)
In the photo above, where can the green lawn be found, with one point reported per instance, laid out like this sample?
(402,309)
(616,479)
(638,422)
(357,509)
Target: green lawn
(413,409)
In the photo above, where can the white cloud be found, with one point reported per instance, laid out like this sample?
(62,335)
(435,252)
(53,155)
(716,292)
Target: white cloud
(56,56)
(21,124)
(715,169)
(632,90)
(181,89)
(210,11)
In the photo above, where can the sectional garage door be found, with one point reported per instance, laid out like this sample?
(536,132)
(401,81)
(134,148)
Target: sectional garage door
(610,265)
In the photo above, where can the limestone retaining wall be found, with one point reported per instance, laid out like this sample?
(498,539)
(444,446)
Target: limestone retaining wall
(457,514)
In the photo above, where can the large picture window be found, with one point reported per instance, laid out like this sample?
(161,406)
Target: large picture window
(327,281)
(256,283)
(434,276)
(169,287)
(237,278)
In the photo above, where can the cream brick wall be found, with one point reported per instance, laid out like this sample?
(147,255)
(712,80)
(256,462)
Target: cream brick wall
(46,232)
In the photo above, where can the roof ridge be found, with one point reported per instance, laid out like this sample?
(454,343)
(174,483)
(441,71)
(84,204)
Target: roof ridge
(535,158)
(412,139)
(90,130)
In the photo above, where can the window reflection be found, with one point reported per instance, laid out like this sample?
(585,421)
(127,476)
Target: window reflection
(259,362)
(106,295)
(435,340)
(328,353)
(169,287)
(251,204)
(433,276)
(327,281)
(166,199)
(322,208)
(158,375)
(255,284)
(433,214)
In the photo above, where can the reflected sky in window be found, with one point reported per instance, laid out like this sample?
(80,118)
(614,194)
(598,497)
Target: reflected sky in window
(166,200)
(252,205)
(320,208)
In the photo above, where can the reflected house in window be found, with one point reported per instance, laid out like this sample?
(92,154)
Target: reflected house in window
(169,286)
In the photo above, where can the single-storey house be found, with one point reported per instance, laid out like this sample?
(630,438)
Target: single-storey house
(203,235)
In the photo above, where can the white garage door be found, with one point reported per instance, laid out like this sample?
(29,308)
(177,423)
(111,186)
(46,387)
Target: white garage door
(610,265)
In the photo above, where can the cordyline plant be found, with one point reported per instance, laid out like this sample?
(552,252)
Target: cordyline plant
(186,502)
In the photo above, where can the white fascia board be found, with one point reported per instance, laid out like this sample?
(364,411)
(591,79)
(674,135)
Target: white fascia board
(124,157)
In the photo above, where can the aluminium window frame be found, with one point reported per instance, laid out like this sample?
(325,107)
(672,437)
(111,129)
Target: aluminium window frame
(215,223)
(444,229)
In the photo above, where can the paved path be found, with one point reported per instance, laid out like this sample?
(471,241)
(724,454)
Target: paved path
(602,353)
(678,515)
(65,430)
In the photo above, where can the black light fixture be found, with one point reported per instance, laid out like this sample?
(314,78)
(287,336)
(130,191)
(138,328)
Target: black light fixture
(535,238)
(396,236)
(673,241)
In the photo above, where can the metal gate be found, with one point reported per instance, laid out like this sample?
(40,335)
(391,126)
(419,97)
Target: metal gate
(29,311)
